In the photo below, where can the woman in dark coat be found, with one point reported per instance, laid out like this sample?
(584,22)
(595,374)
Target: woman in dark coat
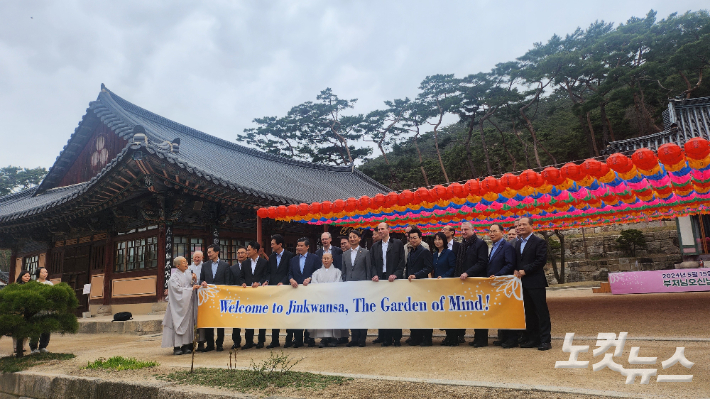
(444,265)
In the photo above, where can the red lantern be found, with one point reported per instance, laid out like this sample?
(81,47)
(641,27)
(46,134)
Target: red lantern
(281,211)
(326,207)
(292,210)
(458,190)
(552,175)
(391,199)
(593,168)
(262,212)
(377,201)
(510,180)
(530,178)
(315,208)
(364,203)
(605,169)
(473,187)
(619,163)
(670,154)
(572,171)
(421,195)
(350,204)
(405,198)
(338,206)
(271,212)
(644,159)
(697,148)
(303,209)
(439,192)
(491,184)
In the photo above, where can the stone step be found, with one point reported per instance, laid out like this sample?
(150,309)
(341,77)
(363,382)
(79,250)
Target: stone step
(604,288)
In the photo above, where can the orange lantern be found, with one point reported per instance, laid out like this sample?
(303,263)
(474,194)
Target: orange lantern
(439,192)
(350,204)
(552,175)
(491,184)
(644,159)
(262,212)
(458,190)
(292,210)
(405,198)
(473,187)
(572,171)
(421,195)
(391,199)
(377,201)
(697,148)
(303,209)
(670,154)
(315,208)
(281,211)
(530,178)
(593,168)
(619,163)
(510,180)
(338,206)
(271,212)
(325,207)
(363,203)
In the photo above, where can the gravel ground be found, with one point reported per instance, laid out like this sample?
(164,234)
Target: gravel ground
(663,316)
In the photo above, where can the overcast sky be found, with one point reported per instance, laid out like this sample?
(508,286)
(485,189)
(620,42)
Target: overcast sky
(216,65)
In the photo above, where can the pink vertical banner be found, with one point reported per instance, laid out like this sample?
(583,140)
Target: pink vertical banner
(676,280)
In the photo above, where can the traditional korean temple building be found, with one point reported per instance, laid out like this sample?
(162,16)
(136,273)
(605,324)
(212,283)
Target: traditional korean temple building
(131,190)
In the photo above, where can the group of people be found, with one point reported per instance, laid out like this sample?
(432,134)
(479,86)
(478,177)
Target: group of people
(522,254)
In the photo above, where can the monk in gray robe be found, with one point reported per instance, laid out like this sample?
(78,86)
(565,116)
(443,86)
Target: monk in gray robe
(180,316)
(327,274)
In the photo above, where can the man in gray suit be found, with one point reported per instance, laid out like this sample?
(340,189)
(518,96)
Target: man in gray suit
(356,267)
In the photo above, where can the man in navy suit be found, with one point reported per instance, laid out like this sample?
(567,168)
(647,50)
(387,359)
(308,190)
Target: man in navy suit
(501,262)
(300,270)
(326,239)
(278,274)
(419,265)
(255,271)
(475,253)
(531,256)
(214,271)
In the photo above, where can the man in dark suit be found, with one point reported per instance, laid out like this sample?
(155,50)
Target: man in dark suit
(278,275)
(235,278)
(255,271)
(387,260)
(326,239)
(419,265)
(214,271)
(356,267)
(531,256)
(300,270)
(501,262)
(475,254)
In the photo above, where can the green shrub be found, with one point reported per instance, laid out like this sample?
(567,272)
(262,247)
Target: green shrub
(119,363)
(630,240)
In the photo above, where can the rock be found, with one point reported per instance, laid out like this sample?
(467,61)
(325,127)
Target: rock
(601,275)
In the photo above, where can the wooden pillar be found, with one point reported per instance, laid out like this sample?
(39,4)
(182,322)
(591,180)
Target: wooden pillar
(13,256)
(109,253)
(259,232)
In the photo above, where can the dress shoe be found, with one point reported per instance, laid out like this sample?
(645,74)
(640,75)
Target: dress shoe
(343,340)
(377,341)
(351,344)
(509,344)
(288,344)
(498,343)
(236,346)
(311,343)
(530,344)
(462,339)
(361,344)
(298,344)
(259,345)
(186,351)
(207,349)
(386,344)
(478,344)
(545,346)
(408,340)
(426,342)
(397,343)
(414,342)
(176,351)
(220,348)
(248,345)
(332,344)
(273,345)
(200,346)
